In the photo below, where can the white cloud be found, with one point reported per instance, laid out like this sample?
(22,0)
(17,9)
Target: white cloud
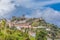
(5,7)
(51,13)
(36,13)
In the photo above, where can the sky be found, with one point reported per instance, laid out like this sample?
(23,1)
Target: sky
(47,9)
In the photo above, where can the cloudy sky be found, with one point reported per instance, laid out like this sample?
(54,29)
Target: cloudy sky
(48,9)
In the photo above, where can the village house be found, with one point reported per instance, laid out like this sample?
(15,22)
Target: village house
(22,25)
(19,24)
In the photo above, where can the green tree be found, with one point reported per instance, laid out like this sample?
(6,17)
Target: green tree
(3,23)
(35,24)
(41,35)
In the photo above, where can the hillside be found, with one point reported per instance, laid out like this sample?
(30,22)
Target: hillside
(21,28)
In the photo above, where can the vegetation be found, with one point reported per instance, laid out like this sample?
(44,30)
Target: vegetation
(41,35)
(7,33)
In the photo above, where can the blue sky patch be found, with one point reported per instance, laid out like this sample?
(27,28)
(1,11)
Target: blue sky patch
(41,0)
(55,6)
